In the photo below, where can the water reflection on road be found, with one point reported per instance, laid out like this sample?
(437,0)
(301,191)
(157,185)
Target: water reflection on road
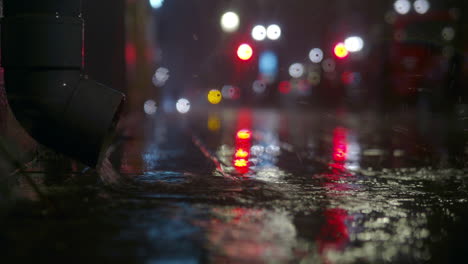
(263,187)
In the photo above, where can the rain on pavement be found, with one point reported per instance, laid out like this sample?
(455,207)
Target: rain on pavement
(293,149)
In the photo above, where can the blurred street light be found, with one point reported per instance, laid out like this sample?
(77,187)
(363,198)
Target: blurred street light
(230,22)
(274,32)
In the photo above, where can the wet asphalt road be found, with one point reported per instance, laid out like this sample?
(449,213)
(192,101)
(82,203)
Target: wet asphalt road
(255,186)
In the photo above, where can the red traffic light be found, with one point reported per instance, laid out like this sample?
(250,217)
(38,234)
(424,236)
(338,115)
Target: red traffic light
(244,52)
(340,51)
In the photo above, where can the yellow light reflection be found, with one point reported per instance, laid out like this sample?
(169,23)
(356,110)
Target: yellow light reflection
(240,163)
(214,123)
(240,153)
(244,134)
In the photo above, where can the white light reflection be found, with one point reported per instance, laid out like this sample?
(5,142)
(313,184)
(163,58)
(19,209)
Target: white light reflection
(354,44)
(257,150)
(161,76)
(259,33)
(296,70)
(402,7)
(230,22)
(156,4)
(150,107)
(421,6)
(316,55)
(183,106)
(274,32)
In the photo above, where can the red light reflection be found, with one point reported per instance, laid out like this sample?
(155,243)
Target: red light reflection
(244,134)
(334,235)
(340,144)
(242,150)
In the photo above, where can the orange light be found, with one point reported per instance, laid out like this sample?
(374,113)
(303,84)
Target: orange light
(341,51)
(240,163)
(244,52)
(244,134)
(240,153)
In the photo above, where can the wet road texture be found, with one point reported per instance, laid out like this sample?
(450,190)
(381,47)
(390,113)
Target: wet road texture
(253,186)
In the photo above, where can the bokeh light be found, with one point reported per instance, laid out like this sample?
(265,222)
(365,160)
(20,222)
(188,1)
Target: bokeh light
(354,44)
(244,52)
(214,96)
(183,106)
(259,86)
(230,22)
(230,92)
(274,32)
(296,70)
(340,51)
(328,65)
(402,7)
(316,55)
(268,63)
(448,33)
(161,76)
(259,33)
(284,87)
(314,78)
(150,107)
(156,4)
(351,78)
(421,6)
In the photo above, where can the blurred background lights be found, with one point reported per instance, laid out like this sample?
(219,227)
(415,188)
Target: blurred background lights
(340,51)
(328,65)
(313,78)
(354,44)
(316,55)
(268,63)
(296,70)
(183,106)
(259,86)
(244,52)
(259,33)
(273,32)
(284,87)
(150,107)
(161,76)
(227,91)
(156,4)
(448,33)
(230,92)
(214,96)
(230,22)
(402,7)
(421,6)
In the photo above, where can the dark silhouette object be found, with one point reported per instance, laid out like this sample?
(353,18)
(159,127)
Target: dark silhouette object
(42,54)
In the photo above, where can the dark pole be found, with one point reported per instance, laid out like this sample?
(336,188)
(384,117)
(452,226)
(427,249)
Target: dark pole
(42,54)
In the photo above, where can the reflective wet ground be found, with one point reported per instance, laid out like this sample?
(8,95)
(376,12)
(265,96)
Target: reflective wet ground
(254,186)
